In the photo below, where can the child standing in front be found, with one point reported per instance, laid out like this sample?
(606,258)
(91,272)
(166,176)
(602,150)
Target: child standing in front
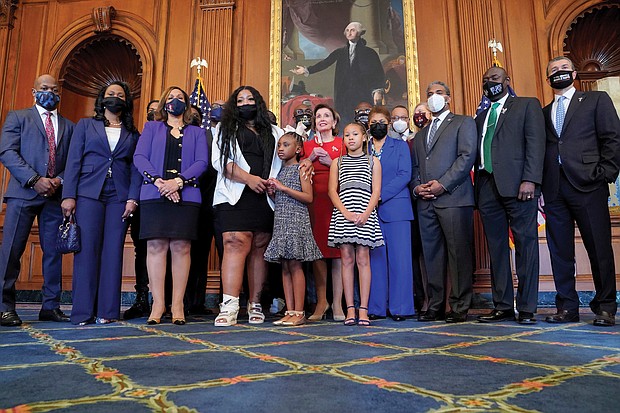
(292,241)
(355,188)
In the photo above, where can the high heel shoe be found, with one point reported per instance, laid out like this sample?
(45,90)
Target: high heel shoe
(178,321)
(154,320)
(365,322)
(298,318)
(319,316)
(229,310)
(351,320)
(338,317)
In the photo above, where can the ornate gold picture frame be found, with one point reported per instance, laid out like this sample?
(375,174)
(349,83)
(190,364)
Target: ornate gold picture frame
(398,55)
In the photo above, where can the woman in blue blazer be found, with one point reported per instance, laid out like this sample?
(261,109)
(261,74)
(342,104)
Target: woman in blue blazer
(171,156)
(391,286)
(101,187)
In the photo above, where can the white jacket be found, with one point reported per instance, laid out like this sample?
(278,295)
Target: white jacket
(227,190)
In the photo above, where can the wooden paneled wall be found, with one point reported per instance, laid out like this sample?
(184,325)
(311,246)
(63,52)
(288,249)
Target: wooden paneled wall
(233,36)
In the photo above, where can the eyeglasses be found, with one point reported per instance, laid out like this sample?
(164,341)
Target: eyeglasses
(395,118)
(217,105)
(362,111)
(302,112)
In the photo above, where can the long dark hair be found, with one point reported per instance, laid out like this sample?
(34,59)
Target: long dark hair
(126,115)
(232,122)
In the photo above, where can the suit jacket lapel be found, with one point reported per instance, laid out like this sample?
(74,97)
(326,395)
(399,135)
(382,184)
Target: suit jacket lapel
(572,108)
(61,128)
(100,128)
(122,139)
(548,122)
(442,127)
(38,121)
(502,114)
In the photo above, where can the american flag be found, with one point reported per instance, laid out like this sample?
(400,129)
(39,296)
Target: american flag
(485,103)
(199,98)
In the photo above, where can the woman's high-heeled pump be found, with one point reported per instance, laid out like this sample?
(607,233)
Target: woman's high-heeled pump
(319,316)
(178,321)
(153,321)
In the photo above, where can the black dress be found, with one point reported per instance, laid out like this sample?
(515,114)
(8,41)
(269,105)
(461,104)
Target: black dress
(162,218)
(252,212)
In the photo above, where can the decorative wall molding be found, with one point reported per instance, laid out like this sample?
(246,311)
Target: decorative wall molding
(102,18)
(7,13)
(206,5)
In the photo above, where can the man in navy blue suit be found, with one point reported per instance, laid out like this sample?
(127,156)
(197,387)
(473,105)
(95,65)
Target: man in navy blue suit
(34,147)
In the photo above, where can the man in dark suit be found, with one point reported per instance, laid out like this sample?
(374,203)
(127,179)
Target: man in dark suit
(511,142)
(583,156)
(34,148)
(359,74)
(443,154)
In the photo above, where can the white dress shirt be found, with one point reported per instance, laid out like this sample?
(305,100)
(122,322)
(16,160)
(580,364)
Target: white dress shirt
(554,108)
(43,114)
(501,102)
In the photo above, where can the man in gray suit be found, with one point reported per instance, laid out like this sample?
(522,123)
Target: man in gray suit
(444,153)
(34,147)
(508,174)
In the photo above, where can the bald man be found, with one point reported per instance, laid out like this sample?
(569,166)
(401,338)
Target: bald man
(359,74)
(33,147)
(508,174)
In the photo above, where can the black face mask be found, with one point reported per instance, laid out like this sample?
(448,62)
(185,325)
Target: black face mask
(150,115)
(493,90)
(379,130)
(561,79)
(114,104)
(247,112)
(420,120)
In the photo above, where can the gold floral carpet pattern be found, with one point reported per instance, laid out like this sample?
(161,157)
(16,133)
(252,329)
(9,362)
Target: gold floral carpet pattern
(320,367)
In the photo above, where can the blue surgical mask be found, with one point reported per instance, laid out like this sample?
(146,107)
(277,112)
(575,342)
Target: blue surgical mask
(175,107)
(216,114)
(46,99)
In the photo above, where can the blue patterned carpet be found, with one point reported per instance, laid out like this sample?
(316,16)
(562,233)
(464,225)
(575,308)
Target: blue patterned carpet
(320,367)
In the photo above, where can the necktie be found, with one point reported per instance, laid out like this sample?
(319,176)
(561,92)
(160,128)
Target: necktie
(431,134)
(488,138)
(559,115)
(351,53)
(51,140)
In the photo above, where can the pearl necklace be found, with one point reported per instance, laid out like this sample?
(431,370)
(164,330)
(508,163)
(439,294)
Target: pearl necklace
(115,123)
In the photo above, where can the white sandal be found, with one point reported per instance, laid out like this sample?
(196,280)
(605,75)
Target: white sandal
(229,310)
(255,313)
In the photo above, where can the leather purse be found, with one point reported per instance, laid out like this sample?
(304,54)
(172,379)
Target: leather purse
(69,239)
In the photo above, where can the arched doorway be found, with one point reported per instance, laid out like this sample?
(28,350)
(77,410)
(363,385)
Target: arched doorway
(94,63)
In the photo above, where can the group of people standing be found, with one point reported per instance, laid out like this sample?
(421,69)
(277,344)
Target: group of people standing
(306,195)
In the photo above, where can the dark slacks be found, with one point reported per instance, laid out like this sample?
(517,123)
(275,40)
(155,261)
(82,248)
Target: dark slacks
(97,268)
(447,235)
(19,217)
(498,213)
(391,284)
(591,213)
(139,245)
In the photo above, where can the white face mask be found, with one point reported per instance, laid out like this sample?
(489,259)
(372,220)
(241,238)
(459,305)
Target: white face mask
(400,126)
(436,103)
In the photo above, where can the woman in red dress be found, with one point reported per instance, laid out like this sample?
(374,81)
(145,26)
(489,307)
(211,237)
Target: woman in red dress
(321,150)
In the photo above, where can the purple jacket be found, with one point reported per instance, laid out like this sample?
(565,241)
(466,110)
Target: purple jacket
(150,153)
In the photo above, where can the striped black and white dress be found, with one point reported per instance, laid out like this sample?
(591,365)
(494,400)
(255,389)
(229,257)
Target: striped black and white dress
(355,179)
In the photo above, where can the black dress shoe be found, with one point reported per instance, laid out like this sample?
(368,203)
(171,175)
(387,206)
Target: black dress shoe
(376,317)
(604,319)
(397,317)
(496,316)
(53,315)
(526,318)
(10,319)
(456,317)
(430,315)
(563,316)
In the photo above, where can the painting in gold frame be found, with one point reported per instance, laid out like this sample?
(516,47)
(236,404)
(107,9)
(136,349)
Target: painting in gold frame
(304,32)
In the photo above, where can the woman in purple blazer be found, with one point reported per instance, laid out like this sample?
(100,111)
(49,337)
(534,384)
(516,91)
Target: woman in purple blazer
(171,155)
(101,187)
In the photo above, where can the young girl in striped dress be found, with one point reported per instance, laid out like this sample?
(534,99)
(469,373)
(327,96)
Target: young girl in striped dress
(355,188)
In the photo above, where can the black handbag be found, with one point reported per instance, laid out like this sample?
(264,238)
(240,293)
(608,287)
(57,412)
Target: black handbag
(69,239)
